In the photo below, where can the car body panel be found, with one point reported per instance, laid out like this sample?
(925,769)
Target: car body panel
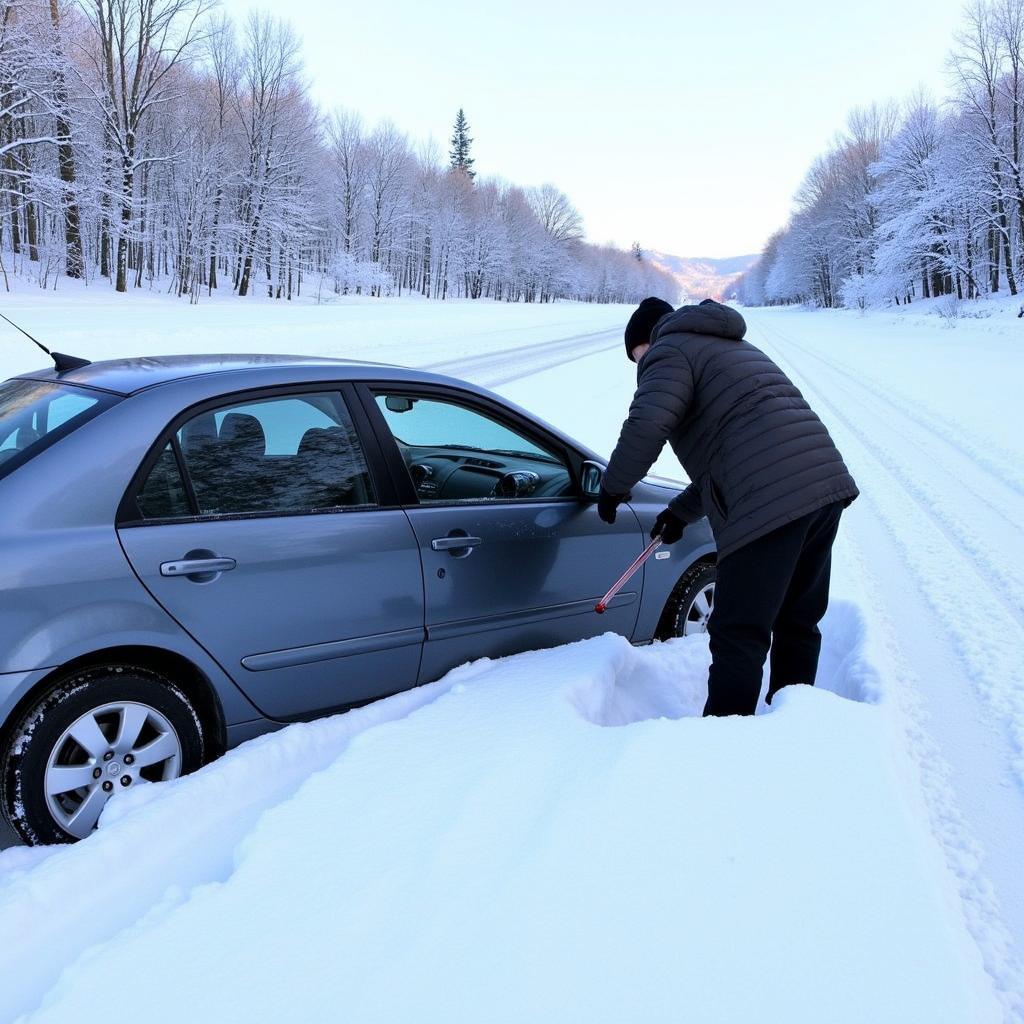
(66,595)
(14,687)
(129,376)
(649,497)
(317,612)
(531,583)
(68,590)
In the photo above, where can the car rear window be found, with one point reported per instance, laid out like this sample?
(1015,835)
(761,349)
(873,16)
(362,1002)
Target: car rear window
(288,454)
(35,413)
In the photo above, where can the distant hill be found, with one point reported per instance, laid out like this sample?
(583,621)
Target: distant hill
(701,278)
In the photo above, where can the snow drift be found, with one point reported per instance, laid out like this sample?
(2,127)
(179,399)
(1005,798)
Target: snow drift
(554,836)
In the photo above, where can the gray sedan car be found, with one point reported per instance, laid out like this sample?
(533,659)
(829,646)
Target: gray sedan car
(198,549)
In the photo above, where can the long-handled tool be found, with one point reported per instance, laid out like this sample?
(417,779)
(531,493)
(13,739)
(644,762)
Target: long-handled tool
(602,605)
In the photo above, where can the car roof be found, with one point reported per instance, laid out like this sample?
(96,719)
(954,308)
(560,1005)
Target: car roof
(128,376)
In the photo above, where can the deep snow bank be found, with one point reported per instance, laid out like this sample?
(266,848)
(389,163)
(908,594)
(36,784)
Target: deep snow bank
(489,848)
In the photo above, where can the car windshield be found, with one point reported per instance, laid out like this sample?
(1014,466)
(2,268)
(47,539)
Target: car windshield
(430,423)
(35,413)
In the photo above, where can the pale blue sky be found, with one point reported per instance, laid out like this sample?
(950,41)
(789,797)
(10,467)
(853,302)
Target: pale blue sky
(687,126)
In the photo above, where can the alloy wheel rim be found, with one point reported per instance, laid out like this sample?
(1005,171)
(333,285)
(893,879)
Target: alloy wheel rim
(110,749)
(697,615)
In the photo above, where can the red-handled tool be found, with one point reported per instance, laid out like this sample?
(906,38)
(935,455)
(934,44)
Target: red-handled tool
(602,605)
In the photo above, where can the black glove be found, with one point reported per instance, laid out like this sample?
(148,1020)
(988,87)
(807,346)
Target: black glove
(608,503)
(668,526)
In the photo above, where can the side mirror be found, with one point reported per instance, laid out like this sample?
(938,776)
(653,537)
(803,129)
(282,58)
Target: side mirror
(591,476)
(399,403)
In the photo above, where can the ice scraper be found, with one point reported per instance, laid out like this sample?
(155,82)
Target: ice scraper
(602,605)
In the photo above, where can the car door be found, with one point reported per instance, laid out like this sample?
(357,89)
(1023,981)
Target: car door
(513,559)
(257,524)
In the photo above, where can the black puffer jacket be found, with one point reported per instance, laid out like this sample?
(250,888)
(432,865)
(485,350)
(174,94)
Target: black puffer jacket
(757,454)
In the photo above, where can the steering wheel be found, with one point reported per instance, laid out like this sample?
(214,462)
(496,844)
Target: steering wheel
(520,483)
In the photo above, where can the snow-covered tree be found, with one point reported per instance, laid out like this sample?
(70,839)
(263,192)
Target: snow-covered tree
(924,202)
(155,143)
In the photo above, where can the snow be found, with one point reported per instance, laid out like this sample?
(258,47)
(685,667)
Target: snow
(926,415)
(553,836)
(938,534)
(558,836)
(97,324)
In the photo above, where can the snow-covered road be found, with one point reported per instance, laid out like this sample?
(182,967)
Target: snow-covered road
(499,858)
(940,535)
(494,369)
(933,553)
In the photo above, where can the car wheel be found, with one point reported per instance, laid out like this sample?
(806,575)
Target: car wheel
(691,603)
(97,733)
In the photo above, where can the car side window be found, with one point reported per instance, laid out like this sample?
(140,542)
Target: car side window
(457,453)
(163,495)
(288,454)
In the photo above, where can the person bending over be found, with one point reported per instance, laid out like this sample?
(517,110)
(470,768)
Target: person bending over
(765,472)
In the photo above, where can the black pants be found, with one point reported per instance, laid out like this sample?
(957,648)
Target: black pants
(771,592)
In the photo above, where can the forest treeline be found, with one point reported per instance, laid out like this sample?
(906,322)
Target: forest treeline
(919,199)
(159,144)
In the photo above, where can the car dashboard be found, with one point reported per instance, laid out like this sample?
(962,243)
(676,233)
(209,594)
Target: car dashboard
(461,474)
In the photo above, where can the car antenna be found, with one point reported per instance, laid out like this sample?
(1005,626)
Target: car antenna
(62,362)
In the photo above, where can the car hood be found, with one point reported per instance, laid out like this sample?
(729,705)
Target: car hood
(656,489)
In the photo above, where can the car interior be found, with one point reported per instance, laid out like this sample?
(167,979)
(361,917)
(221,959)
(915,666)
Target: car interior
(293,454)
(455,453)
(29,410)
(300,453)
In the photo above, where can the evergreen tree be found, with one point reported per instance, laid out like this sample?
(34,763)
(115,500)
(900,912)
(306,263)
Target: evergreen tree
(461,141)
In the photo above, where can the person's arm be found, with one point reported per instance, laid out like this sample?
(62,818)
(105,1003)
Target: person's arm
(662,398)
(688,505)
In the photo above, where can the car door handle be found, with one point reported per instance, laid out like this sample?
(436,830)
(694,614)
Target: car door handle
(196,566)
(454,543)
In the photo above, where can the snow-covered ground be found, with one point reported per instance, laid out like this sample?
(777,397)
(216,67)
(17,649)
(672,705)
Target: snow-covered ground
(95,323)
(557,836)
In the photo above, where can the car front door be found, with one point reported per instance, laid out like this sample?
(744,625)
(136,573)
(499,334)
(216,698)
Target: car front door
(513,559)
(259,527)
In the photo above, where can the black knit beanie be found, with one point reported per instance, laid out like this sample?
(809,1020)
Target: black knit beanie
(641,323)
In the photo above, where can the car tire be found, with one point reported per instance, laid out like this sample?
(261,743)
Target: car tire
(690,604)
(134,724)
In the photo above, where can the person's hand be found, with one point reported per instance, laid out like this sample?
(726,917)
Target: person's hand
(607,504)
(668,526)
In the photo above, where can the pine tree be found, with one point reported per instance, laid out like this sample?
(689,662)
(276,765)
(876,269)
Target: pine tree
(461,141)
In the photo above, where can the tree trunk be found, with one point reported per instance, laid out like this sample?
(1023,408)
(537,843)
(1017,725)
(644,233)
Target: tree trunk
(121,283)
(213,240)
(993,257)
(74,260)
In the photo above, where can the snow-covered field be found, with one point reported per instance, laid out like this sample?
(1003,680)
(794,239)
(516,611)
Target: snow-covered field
(558,836)
(93,322)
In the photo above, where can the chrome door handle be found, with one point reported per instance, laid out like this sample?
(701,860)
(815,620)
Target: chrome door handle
(454,543)
(196,566)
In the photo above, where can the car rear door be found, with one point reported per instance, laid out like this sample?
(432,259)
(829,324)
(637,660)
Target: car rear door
(258,524)
(502,573)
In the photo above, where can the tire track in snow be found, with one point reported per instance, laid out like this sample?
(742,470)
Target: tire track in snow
(969,536)
(985,872)
(492,369)
(947,687)
(986,633)
(964,456)
(1004,470)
